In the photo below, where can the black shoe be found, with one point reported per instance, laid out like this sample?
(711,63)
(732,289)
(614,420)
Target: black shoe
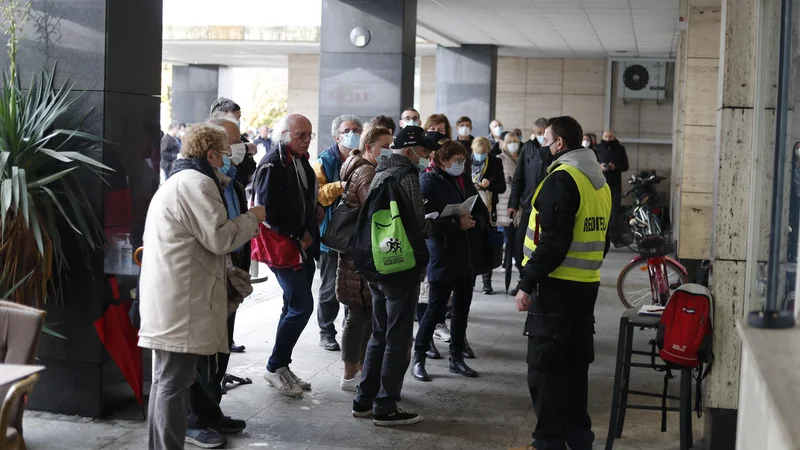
(487,289)
(361,411)
(329,343)
(395,418)
(468,353)
(236,348)
(418,368)
(457,365)
(433,352)
(514,291)
(227,425)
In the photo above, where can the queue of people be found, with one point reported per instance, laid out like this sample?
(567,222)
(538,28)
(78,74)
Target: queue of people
(538,193)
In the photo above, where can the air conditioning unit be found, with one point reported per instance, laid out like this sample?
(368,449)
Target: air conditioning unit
(645,79)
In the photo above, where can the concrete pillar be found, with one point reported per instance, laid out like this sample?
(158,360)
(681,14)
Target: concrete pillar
(195,88)
(303,93)
(466,80)
(678,116)
(699,129)
(111,50)
(427,87)
(376,78)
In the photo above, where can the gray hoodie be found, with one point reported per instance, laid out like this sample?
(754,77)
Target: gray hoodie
(584,160)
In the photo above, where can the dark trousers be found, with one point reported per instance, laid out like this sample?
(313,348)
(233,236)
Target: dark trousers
(328,305)
(519,243)
(298,305)
(560,348)
(389,349)
(437,309)
(206,392)
(511,238)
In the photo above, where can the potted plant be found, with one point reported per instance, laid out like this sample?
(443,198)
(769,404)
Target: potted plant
(43,204)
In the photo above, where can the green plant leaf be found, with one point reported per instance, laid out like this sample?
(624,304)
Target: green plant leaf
(83,158)
(49,179)
(60,209)
(47,330)
(16,286)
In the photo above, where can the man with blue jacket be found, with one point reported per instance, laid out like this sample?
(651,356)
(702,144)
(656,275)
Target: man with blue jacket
(346,131)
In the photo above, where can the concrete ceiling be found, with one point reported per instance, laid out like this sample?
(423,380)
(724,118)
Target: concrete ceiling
(532,28)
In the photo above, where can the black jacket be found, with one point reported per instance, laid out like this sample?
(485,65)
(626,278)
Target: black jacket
(278,190)
(613,153)
(531,170)
(241,259)
(557,204)
(497,182)
(449,246)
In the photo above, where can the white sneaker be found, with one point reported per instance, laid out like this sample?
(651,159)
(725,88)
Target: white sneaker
(304,385)
(442,332)
(283,382)
(352,384)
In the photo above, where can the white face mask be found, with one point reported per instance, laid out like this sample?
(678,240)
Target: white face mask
(586,144)
(463,131)
(513,147)
(411,123)
(498,130)
(540,139)
(238,151)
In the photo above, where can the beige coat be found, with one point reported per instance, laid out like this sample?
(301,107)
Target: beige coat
(183,288)
(509,167)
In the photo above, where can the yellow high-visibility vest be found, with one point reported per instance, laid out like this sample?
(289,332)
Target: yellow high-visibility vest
(585,255)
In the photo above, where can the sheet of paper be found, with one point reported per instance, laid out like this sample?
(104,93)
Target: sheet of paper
(461,209)
(432,216)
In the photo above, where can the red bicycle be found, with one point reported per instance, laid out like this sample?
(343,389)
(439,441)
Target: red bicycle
(651,276)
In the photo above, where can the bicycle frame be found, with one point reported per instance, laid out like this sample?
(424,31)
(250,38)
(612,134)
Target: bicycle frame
(657,271)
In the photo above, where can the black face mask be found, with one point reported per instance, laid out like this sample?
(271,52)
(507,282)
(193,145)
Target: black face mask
(435,136)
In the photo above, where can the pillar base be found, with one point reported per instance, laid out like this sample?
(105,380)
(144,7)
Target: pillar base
(720,428)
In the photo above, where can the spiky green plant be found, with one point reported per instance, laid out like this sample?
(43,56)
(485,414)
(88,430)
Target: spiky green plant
(42,202)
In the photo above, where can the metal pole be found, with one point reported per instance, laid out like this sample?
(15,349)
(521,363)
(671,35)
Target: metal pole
(779,166)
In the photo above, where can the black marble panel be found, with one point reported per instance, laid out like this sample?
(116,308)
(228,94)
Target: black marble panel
(362,84)
(391,23)
(68,387)
(133,54)
(466,80)
(194,90)
(67,32)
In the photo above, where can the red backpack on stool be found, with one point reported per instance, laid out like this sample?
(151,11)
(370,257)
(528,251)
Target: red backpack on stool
(685,334)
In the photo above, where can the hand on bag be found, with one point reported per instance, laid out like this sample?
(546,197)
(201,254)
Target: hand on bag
(484,183)
(467,222)
(306,241)
(259,212)
(523,301)
(511,213)
(320,214)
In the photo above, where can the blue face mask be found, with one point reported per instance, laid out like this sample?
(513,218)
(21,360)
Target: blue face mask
(350,140)
(226,165)
(386,152)
(423,162)
(456,169)
(480,157)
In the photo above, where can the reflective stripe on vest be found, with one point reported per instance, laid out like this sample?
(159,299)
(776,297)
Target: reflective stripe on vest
(585,255)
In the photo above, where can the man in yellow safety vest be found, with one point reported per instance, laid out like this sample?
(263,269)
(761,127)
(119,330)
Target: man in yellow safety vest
(563,251)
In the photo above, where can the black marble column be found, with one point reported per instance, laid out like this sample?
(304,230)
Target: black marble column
(111,49)
(377,78)
(466,81)
(194,90)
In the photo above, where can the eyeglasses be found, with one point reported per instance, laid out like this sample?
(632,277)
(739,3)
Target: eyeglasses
(302,136)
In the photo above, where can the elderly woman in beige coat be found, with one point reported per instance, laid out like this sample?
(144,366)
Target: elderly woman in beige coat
(183,287)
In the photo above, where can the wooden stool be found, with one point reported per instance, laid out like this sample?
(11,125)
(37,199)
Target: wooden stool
(629,322)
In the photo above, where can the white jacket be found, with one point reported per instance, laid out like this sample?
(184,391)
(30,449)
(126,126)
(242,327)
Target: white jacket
(183,288)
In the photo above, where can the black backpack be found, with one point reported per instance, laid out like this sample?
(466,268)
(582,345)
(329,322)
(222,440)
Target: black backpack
(388,208)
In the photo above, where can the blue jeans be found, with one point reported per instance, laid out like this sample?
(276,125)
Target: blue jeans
(298,304)
(389,349)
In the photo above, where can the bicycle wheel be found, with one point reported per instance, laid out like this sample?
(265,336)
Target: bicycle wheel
(633,283)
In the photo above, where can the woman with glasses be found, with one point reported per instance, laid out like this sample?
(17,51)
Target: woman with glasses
(449,268)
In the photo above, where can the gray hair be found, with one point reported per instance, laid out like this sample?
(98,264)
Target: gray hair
(540,123)
(280,131)
(344,118)
(220,117)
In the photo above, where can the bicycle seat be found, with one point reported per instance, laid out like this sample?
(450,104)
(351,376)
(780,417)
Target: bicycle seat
(652,242)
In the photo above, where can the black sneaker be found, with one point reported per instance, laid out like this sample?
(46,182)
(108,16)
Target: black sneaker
(361,411)
(329,343)
(228,425)
(396,418)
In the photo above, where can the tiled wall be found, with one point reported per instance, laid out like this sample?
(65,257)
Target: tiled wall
(529,88)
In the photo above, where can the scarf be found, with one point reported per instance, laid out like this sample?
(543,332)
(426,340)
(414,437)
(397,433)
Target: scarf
(201,165)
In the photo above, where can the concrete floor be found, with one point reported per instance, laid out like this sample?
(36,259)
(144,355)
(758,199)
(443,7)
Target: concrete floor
(489,412)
